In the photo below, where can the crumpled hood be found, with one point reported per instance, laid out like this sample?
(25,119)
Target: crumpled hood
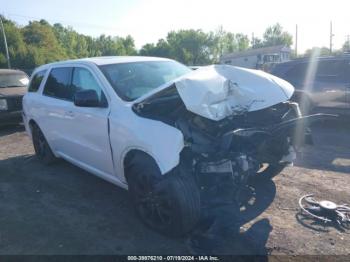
(219,91)
(12,91)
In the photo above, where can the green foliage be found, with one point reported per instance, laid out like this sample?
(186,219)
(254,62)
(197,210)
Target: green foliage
(39,43)
(273,35)
(191,47)
(317,51)
(227,42)
(346,46)
(161,49)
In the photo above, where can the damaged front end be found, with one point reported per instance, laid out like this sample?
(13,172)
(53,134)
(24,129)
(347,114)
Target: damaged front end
(236,123)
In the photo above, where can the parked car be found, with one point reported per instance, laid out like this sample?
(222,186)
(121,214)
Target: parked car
(163,131)
(13,85)
(322,84)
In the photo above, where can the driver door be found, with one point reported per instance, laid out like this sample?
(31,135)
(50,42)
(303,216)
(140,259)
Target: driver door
(88,126)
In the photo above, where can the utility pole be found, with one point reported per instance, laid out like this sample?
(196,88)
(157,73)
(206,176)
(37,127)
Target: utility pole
(331,38)
(5,41)
(296,41)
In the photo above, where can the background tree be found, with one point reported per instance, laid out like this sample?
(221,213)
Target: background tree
(16,45)
(161,49)
(227,42)
(318,51)
(346,46)
(39,43)
(274,35)
(191,47)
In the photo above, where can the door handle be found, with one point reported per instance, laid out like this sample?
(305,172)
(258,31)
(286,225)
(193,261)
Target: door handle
(69,113)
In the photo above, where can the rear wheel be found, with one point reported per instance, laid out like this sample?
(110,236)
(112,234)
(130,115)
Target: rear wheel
(169,204)
(41,147)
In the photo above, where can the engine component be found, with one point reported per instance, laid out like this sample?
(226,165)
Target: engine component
(325,211)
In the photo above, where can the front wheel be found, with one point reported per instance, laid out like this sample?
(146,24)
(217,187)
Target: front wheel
(169,204)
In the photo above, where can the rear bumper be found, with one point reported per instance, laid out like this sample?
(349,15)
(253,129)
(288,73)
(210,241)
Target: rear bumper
(12,117)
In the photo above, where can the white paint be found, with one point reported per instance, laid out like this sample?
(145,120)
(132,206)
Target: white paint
(80,135)
(218,91)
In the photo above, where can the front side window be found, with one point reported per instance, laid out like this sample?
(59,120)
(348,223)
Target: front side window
(58,84)
(36,81)
(84,80)
(132,80)
(13,79)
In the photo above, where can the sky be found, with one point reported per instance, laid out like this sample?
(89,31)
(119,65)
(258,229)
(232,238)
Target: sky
(149,20)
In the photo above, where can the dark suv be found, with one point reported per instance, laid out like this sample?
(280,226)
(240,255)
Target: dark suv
(13,85)
(322,84)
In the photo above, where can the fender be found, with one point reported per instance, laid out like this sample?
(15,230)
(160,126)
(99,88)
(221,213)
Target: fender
(129,132)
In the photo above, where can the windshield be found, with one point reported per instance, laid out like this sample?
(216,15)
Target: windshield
(13,80)
(132,80)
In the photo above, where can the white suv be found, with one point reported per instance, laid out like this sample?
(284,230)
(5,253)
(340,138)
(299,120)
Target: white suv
(161,130)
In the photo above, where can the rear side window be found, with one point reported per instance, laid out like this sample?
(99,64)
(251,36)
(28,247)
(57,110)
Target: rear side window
(36,81)
(58,84)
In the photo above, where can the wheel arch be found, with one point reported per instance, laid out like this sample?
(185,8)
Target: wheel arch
(131,153)
(32,123)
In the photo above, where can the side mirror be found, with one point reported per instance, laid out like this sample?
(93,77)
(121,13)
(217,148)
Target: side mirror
(87,98)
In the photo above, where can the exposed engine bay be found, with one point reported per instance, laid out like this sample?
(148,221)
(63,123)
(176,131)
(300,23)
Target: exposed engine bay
(231,138)
(249,138)
(237,144)
(234,121)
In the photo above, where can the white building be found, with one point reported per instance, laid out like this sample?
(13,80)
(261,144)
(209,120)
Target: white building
(260,58)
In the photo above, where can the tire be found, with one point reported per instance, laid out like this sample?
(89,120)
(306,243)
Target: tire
(267,173)
(170,204)
(41,147)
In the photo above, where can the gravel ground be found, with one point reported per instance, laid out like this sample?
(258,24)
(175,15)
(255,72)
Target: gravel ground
(62,209)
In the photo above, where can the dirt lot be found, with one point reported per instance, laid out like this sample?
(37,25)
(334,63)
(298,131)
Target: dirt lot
(64,210)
